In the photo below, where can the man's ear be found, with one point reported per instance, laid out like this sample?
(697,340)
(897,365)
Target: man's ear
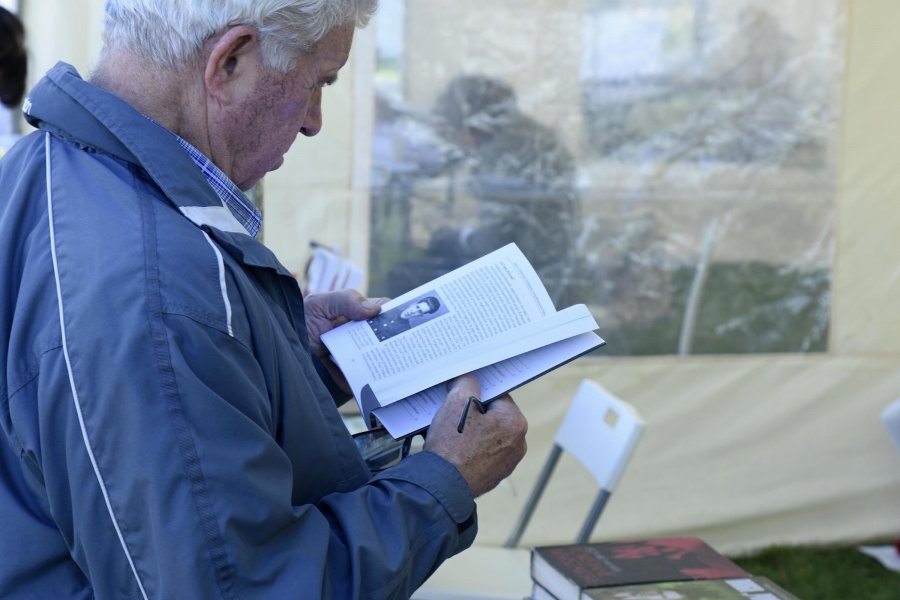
(231,59)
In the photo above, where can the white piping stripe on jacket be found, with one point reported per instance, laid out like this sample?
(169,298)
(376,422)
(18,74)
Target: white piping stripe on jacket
(222,285)
(62,326)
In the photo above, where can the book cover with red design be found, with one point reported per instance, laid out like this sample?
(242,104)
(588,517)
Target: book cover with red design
(565,571)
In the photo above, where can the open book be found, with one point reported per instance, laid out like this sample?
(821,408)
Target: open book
(492,317)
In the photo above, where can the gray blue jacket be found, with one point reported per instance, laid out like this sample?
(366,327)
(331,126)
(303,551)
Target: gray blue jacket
(165,430)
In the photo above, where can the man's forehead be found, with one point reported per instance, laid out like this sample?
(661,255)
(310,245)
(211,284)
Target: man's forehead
(329,55)
(335,46)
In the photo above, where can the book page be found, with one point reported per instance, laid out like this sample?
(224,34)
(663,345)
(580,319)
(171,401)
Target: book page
(451,316)
(415,412)
(343,275)
(564,324)
(322,271)
(355,277)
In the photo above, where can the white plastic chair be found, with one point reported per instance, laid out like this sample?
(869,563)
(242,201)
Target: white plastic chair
(599,430)
(890,416)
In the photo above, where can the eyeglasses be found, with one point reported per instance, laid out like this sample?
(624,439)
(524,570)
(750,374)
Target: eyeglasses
(380,450)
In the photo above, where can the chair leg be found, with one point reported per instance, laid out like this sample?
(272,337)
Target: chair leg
(532,501)
(593,516)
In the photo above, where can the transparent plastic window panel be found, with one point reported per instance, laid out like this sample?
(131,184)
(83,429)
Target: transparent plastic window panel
(670,163)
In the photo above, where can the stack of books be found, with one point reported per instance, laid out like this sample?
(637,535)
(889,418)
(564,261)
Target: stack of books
(677,568)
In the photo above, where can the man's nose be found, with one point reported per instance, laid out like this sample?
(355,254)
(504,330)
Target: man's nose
(312,123)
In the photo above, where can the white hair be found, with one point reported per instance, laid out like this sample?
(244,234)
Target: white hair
(169,33)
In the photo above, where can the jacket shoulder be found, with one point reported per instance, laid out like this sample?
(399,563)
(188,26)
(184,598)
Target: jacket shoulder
(123,239)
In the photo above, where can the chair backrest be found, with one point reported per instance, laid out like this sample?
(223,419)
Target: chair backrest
(601,432)
(890,416)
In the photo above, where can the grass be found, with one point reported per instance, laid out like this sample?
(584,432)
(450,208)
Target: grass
(825,573)
(744,308)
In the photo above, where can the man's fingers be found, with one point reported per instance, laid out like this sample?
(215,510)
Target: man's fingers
(504,408)
(374,303)
(464,386)
(485,448)
(348,304)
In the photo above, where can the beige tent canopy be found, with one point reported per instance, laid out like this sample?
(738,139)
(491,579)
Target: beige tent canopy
(672,112)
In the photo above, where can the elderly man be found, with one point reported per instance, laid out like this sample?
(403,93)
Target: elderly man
(167,432)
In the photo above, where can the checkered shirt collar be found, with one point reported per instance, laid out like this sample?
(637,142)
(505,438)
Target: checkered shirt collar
(232,197)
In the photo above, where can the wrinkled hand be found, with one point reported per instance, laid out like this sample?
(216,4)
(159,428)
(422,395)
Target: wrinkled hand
(491,444)
(326,311)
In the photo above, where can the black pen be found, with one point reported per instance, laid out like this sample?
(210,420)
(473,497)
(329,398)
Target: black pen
(465,412)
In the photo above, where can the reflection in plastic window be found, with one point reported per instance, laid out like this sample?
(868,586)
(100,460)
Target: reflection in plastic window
(669,163)
(641,41)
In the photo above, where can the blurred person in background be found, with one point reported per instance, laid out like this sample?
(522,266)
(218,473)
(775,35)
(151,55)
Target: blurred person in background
(13,70)
(169,415)
(520,176)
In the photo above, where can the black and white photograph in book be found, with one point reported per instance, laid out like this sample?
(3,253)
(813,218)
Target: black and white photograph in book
(406,316)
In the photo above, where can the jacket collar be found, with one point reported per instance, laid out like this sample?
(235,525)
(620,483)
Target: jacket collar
(64,104)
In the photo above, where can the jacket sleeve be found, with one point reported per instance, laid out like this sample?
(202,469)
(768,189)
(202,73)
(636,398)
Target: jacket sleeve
(174,483)
(340,396)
